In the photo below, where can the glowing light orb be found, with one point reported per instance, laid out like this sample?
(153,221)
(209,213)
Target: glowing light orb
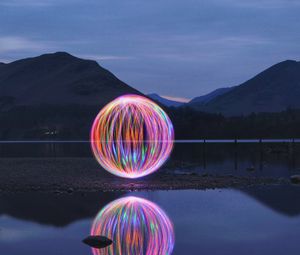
(136,226)
(132,136)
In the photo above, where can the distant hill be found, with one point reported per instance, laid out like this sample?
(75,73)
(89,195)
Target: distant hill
(273,90)
(164,101)
(210,96)
(54,96)
(58,79)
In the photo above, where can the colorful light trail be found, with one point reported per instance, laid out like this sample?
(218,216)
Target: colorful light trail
(136,226)
(132,136)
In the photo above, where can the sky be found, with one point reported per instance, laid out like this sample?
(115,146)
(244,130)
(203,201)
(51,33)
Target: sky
(178,49)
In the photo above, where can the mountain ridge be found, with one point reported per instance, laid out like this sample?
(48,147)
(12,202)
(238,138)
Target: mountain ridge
(165,101)
(272,90)
(209,96)
(59,78)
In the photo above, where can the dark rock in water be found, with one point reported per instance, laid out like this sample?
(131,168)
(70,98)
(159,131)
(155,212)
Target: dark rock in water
(97,241)
(70,190)
(250,169)
(295,179)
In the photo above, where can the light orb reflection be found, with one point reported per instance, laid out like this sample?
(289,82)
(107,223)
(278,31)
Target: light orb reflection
(132,136)
(136,226)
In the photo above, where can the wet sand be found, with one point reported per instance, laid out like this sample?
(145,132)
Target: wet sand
(68,175)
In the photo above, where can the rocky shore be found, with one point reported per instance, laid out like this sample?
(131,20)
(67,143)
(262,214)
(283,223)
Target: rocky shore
(68,175)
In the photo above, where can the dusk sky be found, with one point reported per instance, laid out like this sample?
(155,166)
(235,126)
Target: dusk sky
(175,48)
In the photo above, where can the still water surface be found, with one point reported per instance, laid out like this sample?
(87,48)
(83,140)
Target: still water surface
(251,221)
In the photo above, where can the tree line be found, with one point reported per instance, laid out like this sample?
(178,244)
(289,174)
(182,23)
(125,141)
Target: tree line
(74,122)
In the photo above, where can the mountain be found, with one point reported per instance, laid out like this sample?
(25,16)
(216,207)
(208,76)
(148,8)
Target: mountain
(272,90)
(58,79)
(164,101)
(210,96)
(54,96)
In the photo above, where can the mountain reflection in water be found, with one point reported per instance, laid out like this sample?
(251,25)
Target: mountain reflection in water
(64,209)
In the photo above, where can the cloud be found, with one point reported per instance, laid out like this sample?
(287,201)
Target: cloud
(197,47)
(36,3)
(178,99)
(16,43)
(104,57)
(11,46)
(22,3)
(261,4)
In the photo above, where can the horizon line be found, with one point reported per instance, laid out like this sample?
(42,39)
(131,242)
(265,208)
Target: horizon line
(270,140)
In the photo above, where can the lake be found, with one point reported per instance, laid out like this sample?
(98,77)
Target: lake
(252,221)
(249,220)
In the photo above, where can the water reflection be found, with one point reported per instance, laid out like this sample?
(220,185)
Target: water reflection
(207,222)
(53,209)
(136,226)
(281,199)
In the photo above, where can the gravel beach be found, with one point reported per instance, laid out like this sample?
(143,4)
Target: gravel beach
(68,175)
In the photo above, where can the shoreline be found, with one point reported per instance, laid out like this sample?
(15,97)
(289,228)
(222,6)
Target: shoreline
(69,175)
